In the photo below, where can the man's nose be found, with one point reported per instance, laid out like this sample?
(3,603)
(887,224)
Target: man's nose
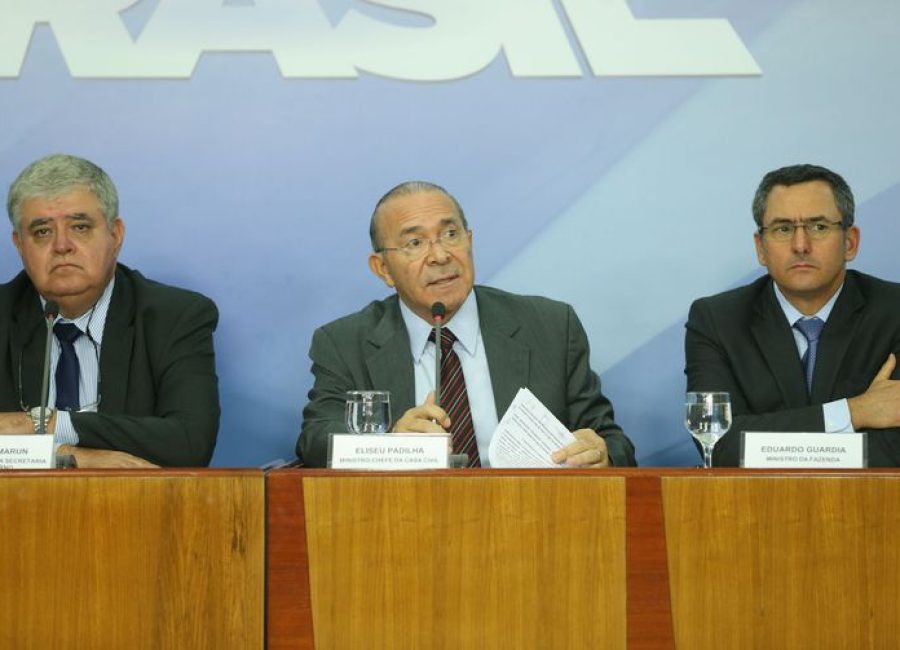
(800,239)
(62,243)
(437,253)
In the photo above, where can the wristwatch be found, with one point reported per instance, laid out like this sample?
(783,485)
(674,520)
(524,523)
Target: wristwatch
(35,414)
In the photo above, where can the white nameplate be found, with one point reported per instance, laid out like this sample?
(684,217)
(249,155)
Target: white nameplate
(813,450)
(27,451)
(389,452)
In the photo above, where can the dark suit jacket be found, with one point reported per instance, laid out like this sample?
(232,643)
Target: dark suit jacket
(740,341)
(529,341)
(158,389)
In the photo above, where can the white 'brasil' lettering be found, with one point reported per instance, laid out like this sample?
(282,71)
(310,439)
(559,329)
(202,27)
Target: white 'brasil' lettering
(464,37)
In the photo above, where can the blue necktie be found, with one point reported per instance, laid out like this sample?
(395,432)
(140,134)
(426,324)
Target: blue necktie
(811,328)
(67,368)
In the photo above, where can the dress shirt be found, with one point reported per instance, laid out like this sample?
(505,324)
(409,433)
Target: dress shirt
(87,348)
(836,414)
(469,347)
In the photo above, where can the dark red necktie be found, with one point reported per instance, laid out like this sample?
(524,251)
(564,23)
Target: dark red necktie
(455,400)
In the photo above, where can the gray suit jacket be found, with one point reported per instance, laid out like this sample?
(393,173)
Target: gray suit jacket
(529,341)
(739,341)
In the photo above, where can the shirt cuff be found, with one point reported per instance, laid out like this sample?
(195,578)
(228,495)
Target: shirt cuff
(837,417)
(64,433)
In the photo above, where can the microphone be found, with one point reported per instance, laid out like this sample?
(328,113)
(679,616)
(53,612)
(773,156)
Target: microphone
(51,311)
(437,316)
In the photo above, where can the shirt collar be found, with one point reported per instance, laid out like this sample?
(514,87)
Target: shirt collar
(463,324)
(793,314)
(94,319)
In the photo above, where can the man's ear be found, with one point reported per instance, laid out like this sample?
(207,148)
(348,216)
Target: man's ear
(760,249)
(851,243)
(378,266)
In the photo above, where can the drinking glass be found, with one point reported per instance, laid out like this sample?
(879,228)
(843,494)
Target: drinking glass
(368,411)
(707,416)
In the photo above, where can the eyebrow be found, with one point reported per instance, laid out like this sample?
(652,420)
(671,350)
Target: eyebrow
(75,216)
(446,221)
(783,220)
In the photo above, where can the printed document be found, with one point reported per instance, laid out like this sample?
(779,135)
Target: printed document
(527,434)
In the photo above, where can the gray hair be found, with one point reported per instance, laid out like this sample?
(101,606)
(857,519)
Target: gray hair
(794,174)
(59,174)
(405,189)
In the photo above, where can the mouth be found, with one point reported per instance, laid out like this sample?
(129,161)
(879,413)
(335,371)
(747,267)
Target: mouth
(65,267)
(442,281)
(802,266)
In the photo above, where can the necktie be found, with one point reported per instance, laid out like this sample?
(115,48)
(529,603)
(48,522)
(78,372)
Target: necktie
(455,400)
(67,368)
(811,328)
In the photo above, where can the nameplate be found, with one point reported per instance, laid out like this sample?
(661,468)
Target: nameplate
(26,452)
(762,449)
(388,452)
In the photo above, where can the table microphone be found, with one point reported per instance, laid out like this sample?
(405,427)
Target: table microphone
(51,311)
(437,316)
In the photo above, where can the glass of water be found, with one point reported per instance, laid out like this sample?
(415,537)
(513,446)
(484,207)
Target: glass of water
(368,411)
(707,416)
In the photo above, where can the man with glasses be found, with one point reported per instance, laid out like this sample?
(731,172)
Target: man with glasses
(495,343)
(132,378)
(811,346)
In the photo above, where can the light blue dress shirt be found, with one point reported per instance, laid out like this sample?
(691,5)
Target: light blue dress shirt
(469,347)
(837,413)
(87,348)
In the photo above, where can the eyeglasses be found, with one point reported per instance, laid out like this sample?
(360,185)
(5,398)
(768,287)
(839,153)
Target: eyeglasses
(784,230)
(417,247)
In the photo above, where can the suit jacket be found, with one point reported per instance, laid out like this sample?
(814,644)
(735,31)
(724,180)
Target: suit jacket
(529,341)
(158,387)
(740,341)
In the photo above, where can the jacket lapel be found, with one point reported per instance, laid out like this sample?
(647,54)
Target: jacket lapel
(389,360)
(115,352)
(774,338)
(27,345)
(839,331)
(508,358)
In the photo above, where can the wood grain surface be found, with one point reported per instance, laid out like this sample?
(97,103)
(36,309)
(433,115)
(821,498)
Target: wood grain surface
(158,559)
(466,562)
(784,562)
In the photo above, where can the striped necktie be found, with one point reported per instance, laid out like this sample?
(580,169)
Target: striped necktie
(454,400)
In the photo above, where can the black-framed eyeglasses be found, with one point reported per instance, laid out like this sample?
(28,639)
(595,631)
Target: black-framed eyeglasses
(816,229)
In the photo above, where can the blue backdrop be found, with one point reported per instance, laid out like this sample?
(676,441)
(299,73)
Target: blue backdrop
(605,151)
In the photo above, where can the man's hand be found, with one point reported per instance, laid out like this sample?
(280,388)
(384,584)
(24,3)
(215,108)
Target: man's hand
(16,423)
(588,450)
(425,418)
(104,458)
(879,406)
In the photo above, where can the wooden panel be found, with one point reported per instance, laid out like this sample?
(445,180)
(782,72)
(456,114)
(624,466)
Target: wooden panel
(132,560)
(647,569)
(784,562)
(466,562)
(288,612)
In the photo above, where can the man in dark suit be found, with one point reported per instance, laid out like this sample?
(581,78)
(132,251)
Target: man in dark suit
(422,247)
(133,380)
(811,346)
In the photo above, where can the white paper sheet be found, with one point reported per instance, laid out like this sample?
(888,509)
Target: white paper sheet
(527,434)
